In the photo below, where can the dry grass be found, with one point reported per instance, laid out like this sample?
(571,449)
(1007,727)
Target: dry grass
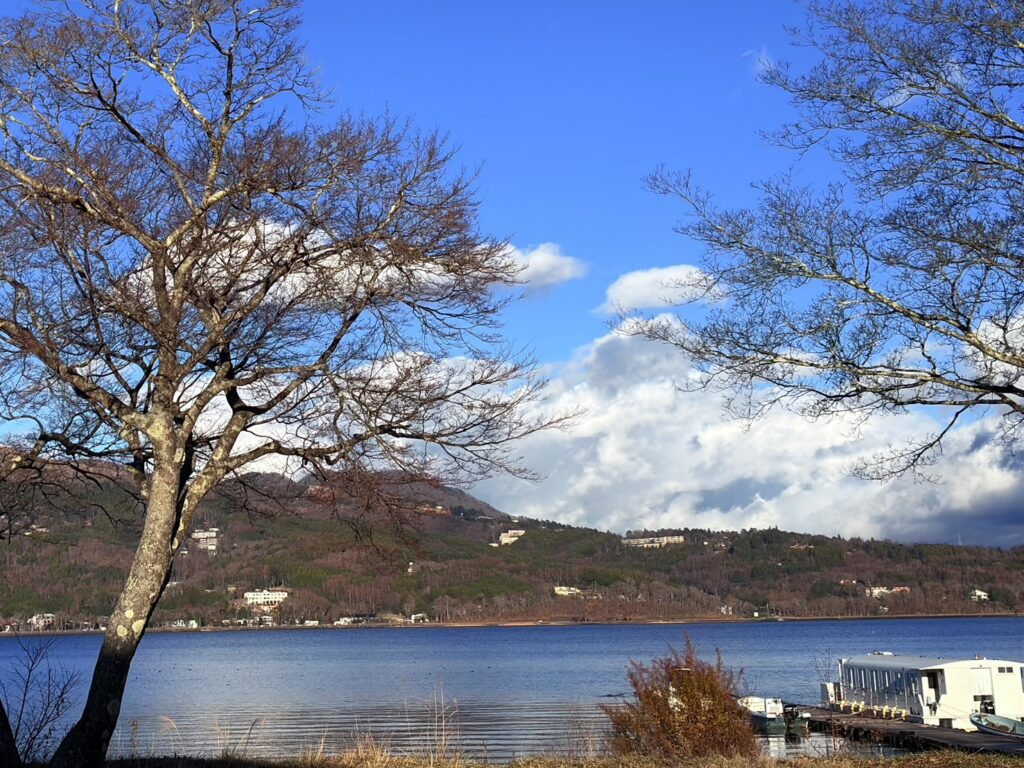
(372,755)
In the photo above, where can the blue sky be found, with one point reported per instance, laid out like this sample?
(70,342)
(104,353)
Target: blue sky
(564,107)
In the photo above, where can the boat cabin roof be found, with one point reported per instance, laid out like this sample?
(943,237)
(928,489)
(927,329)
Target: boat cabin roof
(891,661)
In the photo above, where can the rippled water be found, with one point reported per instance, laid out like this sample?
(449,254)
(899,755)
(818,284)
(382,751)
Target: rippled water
(493,692)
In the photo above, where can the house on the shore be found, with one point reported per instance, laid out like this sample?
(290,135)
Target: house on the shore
(41,622)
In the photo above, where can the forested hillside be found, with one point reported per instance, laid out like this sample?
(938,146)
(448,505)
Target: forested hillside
(441,561)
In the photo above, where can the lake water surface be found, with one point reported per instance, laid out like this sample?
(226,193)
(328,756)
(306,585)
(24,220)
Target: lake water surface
(496,692)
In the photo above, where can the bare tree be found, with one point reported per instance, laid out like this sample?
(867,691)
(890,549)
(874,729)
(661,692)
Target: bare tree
(902,285)
(199,272)
(38,690)
(9,753)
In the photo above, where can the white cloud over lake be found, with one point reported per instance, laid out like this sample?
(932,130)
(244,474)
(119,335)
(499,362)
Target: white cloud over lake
(647,455)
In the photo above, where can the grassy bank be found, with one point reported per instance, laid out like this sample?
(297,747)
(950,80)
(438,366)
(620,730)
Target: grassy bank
(383,759)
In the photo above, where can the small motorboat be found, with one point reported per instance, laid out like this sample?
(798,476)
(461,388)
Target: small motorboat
(998,725)
(766,715)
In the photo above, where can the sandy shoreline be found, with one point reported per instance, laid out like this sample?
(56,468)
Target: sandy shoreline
(536,623)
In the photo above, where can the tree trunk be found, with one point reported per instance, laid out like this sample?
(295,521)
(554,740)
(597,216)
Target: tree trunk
(85,745)
(8,748)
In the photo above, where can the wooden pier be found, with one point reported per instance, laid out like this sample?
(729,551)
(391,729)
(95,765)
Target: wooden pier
(912,736)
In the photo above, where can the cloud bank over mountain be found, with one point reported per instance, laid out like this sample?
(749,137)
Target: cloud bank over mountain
(647,455)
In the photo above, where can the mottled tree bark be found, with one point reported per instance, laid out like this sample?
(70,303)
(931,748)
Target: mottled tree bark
(8,748)
(85,745)
(168,298)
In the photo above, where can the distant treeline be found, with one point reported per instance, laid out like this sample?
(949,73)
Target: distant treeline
(72,562)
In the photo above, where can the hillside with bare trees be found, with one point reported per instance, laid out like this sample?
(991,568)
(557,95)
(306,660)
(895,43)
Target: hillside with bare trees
(69,550)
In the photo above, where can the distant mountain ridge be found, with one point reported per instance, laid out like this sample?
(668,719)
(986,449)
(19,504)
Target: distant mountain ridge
(437,555)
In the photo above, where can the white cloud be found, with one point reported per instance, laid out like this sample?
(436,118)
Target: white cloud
(646,455)
(658,287)
(546,265)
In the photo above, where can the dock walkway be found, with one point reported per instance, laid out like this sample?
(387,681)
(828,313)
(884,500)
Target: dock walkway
(913,736)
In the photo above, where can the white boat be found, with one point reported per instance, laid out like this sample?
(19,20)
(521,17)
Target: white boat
(931,691)
(998,726)
(767,715)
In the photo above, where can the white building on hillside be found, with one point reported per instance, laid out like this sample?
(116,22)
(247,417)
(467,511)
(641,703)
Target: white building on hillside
(654,542)
(928,690)
(508,537)
(207,540)
(879,592)
(264,597)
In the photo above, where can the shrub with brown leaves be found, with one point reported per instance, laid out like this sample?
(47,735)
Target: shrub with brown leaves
(682,706)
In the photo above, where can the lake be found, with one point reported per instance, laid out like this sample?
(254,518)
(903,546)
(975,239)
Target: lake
(498,692)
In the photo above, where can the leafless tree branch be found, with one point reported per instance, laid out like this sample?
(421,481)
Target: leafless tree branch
(198,273)
(902,287)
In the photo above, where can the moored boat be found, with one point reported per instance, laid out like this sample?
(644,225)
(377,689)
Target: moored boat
(929,690)
(998,725)
(798,721)
(767,715)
